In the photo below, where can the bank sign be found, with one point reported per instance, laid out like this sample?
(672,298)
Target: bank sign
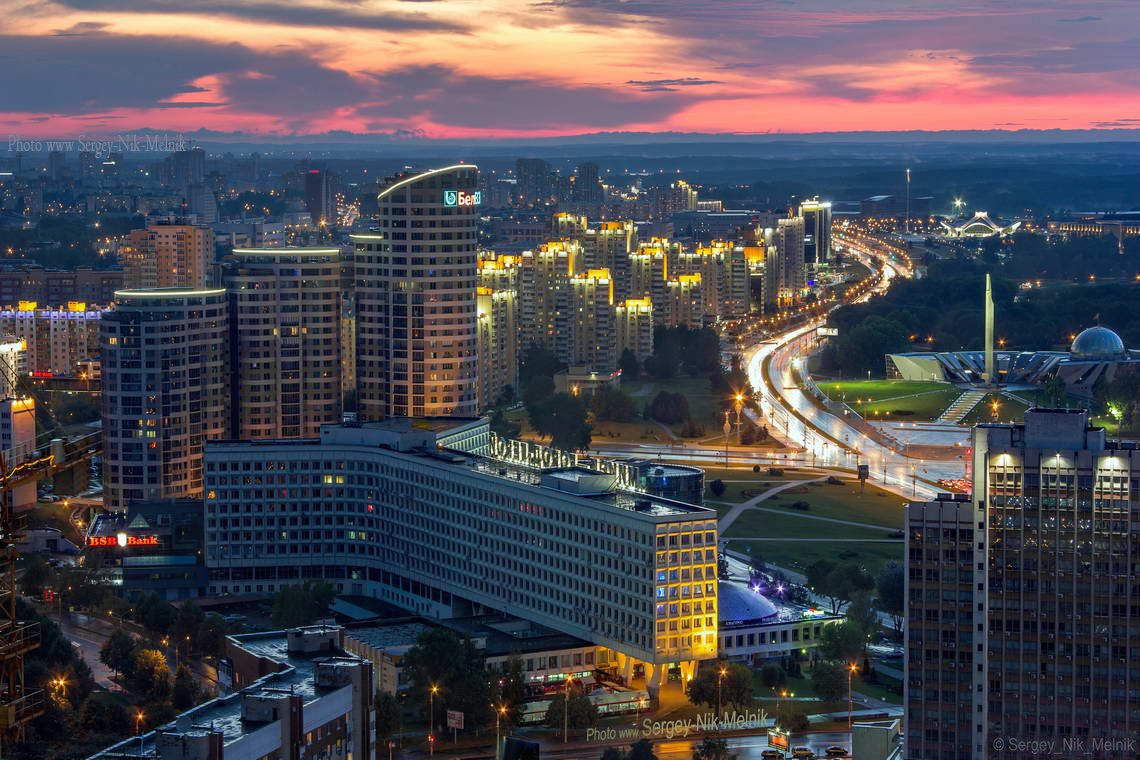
(457,198)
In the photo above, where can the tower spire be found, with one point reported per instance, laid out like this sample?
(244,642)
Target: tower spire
(991,376)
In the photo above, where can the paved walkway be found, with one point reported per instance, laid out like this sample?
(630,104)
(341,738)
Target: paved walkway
(737,510)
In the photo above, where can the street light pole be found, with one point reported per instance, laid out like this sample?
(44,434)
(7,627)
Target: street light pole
(431,720)
(850,703)
(566,707)
(719,683)
(498,716)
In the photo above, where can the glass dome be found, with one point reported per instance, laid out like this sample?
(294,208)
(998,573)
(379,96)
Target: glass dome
(1098,343)
(740,604)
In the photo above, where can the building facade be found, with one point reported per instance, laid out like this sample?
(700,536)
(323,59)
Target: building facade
(784,265)
(285,335)
(166,390)
(1022,602)
(380,510)
(498,305)
(633,322)
(590,322)
(57,339)
(416,300)
(168,256)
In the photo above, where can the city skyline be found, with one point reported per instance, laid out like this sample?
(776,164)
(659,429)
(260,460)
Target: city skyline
(432,69)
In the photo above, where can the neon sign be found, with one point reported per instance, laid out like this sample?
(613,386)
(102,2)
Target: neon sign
(460,198)
(122,539)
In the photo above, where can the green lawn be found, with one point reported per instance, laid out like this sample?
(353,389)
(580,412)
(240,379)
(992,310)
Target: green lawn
(892,399)
(1008,410)
(872,505)
(798,556)
(795,524)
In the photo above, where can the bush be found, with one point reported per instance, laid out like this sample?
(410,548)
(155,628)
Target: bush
(756,468)
(802,506)
(717,488)
(775,472)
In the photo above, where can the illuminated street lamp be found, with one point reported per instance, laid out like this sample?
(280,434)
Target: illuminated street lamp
(431,719)
(851,670)
(566,706)
(499,713)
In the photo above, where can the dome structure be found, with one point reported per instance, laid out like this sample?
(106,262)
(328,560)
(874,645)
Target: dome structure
(739,604)
(1098,343)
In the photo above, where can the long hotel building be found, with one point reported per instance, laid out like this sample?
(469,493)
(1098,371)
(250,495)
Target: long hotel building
(416,299)
(444,518)
(1023,603)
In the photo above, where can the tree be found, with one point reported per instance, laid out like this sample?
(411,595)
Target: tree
(642,749)
(187,621)
(791,717)
(510,689)
(104,713)
(712,748)
(503,426)
(212,636)
(861,612)
(442,659)
(150,675)
(829,680)
(668,408)
(37,574)
(614,753)
(562,417)
(735,687)
(538,389)
(841,641)
(772,675)
(184,693)
(387,715)
(838,583)
(891,585)
(717,488)
(581,714)
(118,652)
(612,405)
(299,605)
(629,365)
(537,361)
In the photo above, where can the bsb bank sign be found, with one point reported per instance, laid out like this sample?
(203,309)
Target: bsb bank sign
(461,198)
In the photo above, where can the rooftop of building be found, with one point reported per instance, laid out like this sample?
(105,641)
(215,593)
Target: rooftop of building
(297,676)
(496,635)
(418,437)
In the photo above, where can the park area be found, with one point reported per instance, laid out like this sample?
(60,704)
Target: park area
(814,516)
(892,399)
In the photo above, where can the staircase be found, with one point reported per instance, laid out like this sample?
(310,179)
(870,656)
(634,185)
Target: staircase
(962,406)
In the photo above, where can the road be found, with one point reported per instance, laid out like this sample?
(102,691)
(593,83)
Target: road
(830,439)
(743,747)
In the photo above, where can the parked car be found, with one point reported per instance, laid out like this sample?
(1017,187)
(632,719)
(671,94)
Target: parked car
(836,751)
(803,752)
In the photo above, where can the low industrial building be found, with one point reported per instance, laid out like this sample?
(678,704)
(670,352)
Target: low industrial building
(757,626)
(151,547)
(298,695)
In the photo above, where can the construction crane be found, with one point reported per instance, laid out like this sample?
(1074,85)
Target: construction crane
(18,704)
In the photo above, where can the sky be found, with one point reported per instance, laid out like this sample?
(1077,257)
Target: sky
(472,69)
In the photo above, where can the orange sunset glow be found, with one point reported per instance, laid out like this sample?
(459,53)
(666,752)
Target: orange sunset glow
(510,68)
